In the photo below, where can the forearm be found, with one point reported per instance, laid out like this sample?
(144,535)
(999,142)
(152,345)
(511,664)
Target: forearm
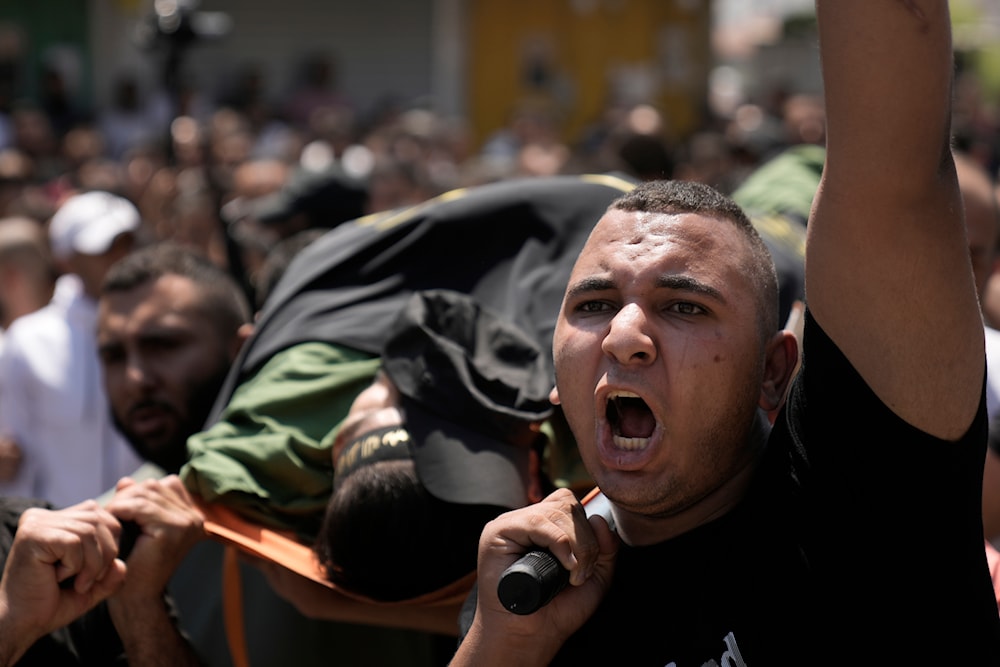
(149,634)
(887,221)
(16,637)
(479,649)
(13,641)
(887,75)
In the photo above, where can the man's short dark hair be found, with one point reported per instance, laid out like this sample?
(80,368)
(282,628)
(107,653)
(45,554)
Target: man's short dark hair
(413,542)
(224,299)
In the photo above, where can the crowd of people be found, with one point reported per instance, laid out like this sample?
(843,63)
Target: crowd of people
(274,311)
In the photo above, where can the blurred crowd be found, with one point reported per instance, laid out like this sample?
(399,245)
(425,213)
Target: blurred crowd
(197,165)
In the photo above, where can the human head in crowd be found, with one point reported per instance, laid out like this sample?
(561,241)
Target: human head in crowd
(170,323)
(397,183)
(446,438)
(308,199)
(89,232)
(276,261)
(27,275)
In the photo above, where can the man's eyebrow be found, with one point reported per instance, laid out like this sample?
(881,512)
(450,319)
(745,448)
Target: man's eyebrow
(588,285)
(689,284)
(671,281)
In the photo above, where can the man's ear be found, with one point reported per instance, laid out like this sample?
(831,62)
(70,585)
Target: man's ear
(554,396)
(780,365)
(242,336)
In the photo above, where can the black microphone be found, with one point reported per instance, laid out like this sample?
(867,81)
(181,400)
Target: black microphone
(535,578)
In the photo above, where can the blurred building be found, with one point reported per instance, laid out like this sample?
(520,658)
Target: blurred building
(478,59)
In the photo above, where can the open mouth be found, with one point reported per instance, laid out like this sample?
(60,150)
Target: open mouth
(631,420)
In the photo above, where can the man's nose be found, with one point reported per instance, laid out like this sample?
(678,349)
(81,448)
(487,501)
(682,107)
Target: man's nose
(138,371)
(629,340)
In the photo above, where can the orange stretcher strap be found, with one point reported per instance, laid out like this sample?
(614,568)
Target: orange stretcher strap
(240,535)
(232,607)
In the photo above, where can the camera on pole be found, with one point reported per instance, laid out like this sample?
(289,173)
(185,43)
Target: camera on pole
(174,26)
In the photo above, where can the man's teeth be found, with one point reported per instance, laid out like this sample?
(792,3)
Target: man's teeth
(624,394)
(622,442)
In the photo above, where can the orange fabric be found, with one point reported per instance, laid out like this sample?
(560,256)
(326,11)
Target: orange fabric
(232,608)
(590,495)
(228,527)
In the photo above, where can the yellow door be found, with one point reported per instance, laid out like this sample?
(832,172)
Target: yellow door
(575,58)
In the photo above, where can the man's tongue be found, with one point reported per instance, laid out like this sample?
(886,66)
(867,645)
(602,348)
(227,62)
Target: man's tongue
(634,419)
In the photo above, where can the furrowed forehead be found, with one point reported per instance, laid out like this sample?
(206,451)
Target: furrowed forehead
(625,236)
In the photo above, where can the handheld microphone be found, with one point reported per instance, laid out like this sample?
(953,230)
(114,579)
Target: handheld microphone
(535,578)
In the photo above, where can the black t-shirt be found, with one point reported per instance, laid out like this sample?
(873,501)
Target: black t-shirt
(859,543)
(90,640)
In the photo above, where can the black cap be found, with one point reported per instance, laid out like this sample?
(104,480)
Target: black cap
(474,387)
(327,196)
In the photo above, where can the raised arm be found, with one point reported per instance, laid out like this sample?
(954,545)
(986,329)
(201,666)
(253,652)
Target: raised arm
(887,262)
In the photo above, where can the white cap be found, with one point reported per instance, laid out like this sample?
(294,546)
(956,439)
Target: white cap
(88,223)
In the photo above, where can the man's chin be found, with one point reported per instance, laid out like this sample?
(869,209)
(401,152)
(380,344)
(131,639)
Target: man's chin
(162,451)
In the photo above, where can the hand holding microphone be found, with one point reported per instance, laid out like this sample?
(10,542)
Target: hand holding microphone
(536,578)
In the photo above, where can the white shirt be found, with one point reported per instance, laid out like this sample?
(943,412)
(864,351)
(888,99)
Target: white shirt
(52,402)
(992,372)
